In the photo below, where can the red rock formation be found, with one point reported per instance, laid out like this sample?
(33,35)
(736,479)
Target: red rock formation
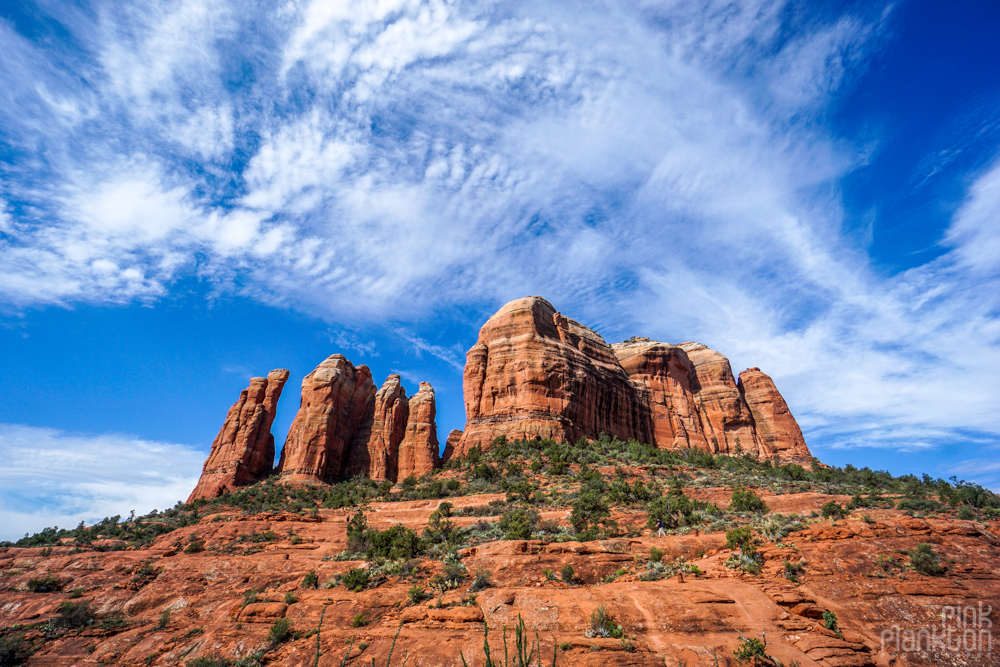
(450,444)
(243,452)
(776,428)
(337,400)
(375,449)
(664,376)
(725,417)
(534,372)
(418,452)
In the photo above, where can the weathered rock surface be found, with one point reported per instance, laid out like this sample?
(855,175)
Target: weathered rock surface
(666,378)
(338,400)
(243,451)
(726,418)
(777,430)
(450,444)
(693,622)
(534,372)
(418,452)
(375,449)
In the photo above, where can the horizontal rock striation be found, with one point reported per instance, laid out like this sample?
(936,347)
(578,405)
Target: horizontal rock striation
(243,451)
(534,372)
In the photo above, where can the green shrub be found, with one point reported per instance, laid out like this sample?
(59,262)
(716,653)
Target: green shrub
(966,514)
(655,555)
(834,510)
(359,620)
(567,573)
(482,581)
(923,559)
(290,598)
(76,592)
(194,547)
(751,651)
(602,624)
(311,580)
(417,594)
(74,615)
(745,500)
(46,584)
(741,538)
(518,524)
(280,631)
(356,579)
(830,621)
(164,619)
(14,649)
(918,505)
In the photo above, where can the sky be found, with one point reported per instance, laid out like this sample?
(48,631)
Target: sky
(196,192)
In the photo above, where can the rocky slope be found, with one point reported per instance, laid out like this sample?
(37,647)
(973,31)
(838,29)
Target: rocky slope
(534,372)
(243,452)
(170,604)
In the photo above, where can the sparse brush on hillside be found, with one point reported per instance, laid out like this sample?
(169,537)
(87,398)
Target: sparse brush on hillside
(506,467)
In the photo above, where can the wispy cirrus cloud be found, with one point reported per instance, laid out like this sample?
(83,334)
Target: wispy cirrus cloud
(660,169)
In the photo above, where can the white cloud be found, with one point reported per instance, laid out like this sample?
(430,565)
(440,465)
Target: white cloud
(55,478)
(652,168)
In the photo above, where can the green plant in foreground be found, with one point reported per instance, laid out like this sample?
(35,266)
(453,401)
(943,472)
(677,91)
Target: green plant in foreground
(830,621)
(923,559)
(567,573)
(311,580)
(359,620)
(416,593)
(524,652)
(164,619)
(280,631)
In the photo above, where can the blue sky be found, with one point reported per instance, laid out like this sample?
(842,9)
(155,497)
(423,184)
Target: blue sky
(192,193)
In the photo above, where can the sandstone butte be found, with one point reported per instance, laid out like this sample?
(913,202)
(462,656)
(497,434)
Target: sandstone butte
(209,591)
(532,373)
(535,373)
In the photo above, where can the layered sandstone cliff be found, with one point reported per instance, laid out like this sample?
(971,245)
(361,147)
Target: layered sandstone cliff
(418,452)
(534,372)
(777,429)
(345,428)
(243,451)
(375,449)
(337,401)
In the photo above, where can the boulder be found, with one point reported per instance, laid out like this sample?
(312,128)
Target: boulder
(243,451)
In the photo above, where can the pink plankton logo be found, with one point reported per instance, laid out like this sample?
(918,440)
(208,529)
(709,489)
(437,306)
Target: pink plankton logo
(967,630)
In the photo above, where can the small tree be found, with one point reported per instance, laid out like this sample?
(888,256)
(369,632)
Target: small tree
(745,500)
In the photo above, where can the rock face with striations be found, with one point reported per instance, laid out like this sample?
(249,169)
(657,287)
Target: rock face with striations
(534,372)
(338,400)
(666,380)
(777,429)
(450,444)
(243,452)
(418,452)
(375,449)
